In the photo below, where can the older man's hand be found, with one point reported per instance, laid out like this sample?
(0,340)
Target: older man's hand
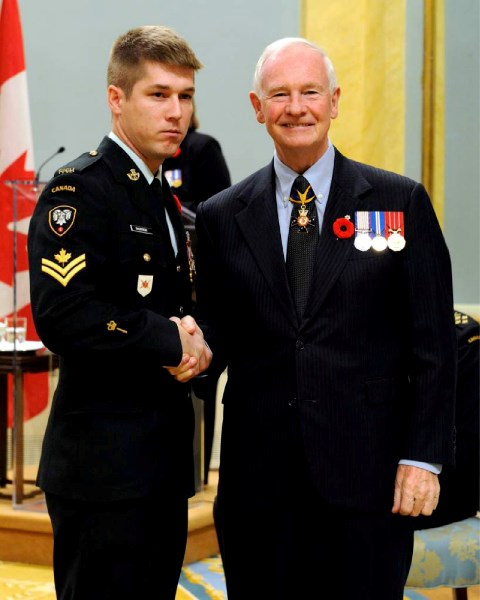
(196,357)
(416,491)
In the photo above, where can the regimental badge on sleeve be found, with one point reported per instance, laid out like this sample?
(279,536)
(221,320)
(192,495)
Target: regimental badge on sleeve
(144,284)
(61,218)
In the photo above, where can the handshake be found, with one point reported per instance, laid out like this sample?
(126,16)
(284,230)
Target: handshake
(196,355)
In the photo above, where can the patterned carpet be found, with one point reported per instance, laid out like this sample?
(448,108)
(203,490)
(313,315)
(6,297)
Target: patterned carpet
(202,580)
(19,581)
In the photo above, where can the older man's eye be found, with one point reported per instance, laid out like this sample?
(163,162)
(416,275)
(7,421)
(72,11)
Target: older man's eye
(278,97)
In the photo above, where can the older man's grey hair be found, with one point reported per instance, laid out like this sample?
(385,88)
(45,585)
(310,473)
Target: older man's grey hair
(282,43)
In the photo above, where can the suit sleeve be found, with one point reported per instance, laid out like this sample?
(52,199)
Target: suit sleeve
(208,282)
(433,357)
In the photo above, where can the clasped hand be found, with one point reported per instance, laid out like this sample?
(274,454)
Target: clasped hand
(196,355)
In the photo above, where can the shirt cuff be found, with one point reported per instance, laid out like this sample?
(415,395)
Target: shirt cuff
(432,467)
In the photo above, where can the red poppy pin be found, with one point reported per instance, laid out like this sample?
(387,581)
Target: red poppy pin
(178,203)
(343,228)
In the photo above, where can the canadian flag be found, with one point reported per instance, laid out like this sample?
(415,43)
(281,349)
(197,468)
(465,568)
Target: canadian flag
(16,163)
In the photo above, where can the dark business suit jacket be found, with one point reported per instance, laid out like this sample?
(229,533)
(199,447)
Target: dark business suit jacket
(367,376)
(120,426)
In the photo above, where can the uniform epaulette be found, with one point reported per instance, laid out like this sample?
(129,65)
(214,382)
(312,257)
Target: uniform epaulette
(461,319)
(84,161)
(468,329)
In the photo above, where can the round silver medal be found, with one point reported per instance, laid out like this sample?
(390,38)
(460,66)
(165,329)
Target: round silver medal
(396,242)
(379,243)
(363,242)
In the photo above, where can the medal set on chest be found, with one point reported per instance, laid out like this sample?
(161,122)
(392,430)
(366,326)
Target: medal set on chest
(379,230)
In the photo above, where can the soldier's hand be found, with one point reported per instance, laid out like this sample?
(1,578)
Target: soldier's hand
(196,356)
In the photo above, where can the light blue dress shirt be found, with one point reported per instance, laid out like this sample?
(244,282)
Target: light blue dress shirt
(319,176)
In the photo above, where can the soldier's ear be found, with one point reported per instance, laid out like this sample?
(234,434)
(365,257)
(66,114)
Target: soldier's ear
(115,97)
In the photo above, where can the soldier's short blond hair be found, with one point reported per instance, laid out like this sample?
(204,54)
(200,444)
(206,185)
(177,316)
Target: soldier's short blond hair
(149,43)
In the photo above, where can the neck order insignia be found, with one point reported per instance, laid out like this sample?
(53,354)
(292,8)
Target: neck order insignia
(303,217)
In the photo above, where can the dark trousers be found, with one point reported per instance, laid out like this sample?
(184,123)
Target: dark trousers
(299,547)
(118,550)
(206,389)
(209,411)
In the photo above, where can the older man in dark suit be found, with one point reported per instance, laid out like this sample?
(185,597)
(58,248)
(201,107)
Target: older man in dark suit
(341,353)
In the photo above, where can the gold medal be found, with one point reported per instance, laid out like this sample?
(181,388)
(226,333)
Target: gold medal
(303,219)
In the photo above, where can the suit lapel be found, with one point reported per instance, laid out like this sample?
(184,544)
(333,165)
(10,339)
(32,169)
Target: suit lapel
(258,222)
(332,252)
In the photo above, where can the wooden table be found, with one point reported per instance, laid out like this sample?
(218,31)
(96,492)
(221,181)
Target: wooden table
(17,363)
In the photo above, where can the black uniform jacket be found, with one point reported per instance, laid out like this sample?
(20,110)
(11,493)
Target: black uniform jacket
(366,378)
(104,282)
(460,484)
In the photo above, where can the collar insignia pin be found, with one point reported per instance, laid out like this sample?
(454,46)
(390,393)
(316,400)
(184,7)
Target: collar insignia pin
(133,175)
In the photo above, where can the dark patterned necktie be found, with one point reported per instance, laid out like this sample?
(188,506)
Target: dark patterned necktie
(160,203)
(302,241)
(156,188)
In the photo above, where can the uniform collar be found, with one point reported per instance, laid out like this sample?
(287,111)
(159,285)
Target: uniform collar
(149,176)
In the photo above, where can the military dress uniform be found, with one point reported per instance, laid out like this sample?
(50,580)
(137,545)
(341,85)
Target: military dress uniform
(460,483)
(104,281)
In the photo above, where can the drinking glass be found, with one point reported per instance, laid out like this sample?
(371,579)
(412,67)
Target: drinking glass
(16,329)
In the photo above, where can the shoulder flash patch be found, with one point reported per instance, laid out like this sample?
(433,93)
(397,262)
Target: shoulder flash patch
(84,161)
(61,218)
